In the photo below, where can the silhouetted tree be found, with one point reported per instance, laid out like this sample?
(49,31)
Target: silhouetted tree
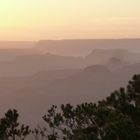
(10,129)
(115,118)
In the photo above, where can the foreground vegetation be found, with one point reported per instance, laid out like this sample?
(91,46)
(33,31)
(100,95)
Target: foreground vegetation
(115,118)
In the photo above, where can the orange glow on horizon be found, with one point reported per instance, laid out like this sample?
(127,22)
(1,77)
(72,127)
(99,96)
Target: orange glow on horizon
(60,19)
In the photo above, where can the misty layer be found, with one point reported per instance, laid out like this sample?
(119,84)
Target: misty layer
(35,75)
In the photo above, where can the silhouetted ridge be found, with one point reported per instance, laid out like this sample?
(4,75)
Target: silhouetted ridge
(96,69)
(78,47)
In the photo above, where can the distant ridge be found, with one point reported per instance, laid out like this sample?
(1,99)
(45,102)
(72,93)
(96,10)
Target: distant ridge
(77,47)
(90,39)
(16,44)
(73,47)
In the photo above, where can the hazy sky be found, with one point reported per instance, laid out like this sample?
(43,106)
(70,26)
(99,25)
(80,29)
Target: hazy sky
(60,19)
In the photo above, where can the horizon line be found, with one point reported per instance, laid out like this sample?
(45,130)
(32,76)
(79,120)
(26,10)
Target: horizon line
(70,39)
